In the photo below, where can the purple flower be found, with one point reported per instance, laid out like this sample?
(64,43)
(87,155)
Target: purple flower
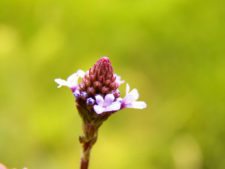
(72,80)
(97,96)
(98,92)
(130,99)
(107,104)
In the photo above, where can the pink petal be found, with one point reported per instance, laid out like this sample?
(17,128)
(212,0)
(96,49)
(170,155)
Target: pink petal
(109,98)
(99,100)
(113,107)
(73,80)
(131,96)
(98,109)
(137,105)
(134,93)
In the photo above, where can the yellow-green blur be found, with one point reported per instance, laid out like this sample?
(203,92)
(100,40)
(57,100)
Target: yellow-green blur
(172,51)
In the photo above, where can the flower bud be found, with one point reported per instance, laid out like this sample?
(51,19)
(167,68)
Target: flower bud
(99,79)
(90,101)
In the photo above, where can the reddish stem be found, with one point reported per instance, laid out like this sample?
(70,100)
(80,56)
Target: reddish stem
(87,141)
(84,164)
(85,155)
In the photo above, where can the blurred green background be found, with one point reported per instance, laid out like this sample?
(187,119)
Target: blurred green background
(171,50)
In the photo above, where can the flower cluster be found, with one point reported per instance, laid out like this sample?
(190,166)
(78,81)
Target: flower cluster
(98,91)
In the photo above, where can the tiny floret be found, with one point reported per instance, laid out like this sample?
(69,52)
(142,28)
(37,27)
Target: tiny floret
(130,100)
(72,80)
(107,104)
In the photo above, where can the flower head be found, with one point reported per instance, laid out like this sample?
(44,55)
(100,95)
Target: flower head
(98,95)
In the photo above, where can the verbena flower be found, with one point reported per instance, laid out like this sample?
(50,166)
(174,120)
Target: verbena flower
(72,80)
(130,99)
(106,104)
(97,97)
(98,90)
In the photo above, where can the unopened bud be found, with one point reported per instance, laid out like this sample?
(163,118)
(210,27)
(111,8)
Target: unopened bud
(90,101)
(100,79)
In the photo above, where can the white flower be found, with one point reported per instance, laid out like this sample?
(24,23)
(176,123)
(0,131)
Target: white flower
(72,80)
(118,79)
(107,104)
(130,99)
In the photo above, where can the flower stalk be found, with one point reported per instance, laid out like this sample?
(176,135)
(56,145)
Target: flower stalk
(97,97)
(87,141)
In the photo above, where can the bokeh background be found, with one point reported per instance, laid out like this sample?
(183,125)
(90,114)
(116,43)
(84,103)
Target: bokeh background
(171,50)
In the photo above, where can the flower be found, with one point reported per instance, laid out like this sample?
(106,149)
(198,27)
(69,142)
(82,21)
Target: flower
(130,99)
(72,80)
(98,92)
(107,104)
(97,97)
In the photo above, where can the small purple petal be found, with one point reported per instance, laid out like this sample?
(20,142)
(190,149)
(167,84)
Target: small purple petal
(73,88)
(113,107)
(137,105)
(76,93)
(109,98)
(135,94)
(131,96)
(99,109)
(99,100)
